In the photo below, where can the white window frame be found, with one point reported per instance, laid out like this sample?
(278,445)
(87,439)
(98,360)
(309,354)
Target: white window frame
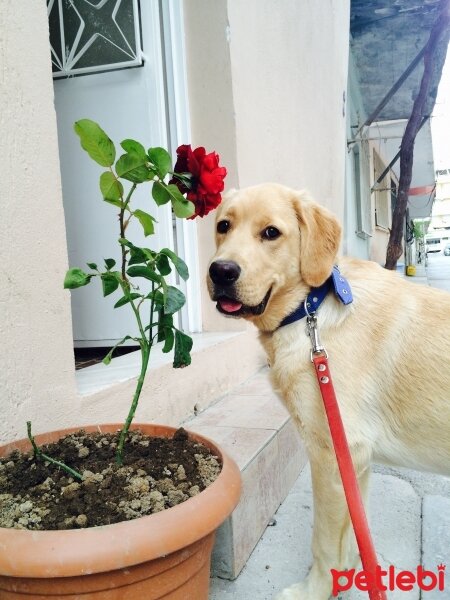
(362,195)
(383,214)
(170,126)
(180,133)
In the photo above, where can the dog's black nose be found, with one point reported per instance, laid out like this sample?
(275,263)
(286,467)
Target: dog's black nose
(224,272)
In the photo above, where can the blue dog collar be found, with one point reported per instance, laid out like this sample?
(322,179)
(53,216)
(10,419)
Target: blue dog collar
(316,296)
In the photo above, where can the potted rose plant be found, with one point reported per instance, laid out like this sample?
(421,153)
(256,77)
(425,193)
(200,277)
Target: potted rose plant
(132,547)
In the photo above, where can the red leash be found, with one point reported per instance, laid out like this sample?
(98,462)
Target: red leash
(349,481)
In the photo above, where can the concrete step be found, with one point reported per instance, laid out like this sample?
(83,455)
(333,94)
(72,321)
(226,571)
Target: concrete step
(254,428)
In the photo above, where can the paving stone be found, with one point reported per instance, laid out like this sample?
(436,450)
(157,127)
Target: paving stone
(436,541)
(395,520)
(283,555)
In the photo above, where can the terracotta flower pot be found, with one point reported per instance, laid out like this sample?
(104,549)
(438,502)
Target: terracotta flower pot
(165,555)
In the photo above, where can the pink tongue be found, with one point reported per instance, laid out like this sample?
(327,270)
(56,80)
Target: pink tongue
(229,305)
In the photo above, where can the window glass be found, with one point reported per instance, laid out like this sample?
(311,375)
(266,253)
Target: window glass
(90,36)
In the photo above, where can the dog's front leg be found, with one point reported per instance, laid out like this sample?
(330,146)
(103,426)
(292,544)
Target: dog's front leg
(333,545)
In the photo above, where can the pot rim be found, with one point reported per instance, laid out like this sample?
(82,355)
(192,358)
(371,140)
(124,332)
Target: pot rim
(56,553)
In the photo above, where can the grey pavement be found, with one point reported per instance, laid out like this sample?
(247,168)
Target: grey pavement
(407,525)
(409,513)
(438,271)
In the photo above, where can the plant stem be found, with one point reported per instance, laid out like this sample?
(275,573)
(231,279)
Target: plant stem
(145,346)
(152,307)
(145,352)
(40,455)
(126,291)
(139,322)
(123,227)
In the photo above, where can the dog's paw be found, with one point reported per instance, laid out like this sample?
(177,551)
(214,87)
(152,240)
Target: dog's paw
(304,591)
(290,593)
(295,592)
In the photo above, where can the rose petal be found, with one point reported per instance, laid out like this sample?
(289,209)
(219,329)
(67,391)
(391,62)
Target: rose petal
(181,166)
(211,182)
(211,161)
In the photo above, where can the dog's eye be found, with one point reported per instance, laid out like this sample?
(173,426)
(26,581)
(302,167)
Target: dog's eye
(271,233)
(223,226)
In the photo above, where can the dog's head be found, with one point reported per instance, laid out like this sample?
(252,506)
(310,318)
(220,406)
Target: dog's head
(273,245)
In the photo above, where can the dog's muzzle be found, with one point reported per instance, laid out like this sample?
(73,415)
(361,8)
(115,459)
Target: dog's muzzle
(224,274)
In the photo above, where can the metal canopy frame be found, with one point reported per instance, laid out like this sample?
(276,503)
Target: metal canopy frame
(394,160)
(397,85)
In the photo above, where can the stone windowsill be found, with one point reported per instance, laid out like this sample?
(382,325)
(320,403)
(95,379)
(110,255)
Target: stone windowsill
(99,377)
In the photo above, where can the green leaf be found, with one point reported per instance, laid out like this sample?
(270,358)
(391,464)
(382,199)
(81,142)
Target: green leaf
(181,207)
(183,210)
(134,146)
(169,341)
(110,263)
(183,347)
(144,271)
(174,193)
(162,161)
(117,203)
(92,266)
(125,299)
(111,188)
(178,263)
(151,254)
(165,323)
(140,255)
(162,264)
(110,282)
(160,194)
(108,357)
(146,221)
(158,300)
(137,256)
(133,167)
(95,141)
(174,299)
(76,278)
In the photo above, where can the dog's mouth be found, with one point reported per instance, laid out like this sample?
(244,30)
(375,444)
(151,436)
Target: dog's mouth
(232,307)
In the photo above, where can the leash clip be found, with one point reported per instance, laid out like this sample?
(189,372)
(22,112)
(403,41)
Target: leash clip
(312,331)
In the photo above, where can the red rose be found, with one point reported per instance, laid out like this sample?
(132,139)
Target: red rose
(206,182)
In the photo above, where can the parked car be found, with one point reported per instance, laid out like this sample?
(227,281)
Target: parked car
(447,250)
(433,243)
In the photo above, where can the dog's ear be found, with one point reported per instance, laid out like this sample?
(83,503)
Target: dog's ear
(320,236)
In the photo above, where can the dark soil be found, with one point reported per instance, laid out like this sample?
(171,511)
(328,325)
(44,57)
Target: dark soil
(157,473)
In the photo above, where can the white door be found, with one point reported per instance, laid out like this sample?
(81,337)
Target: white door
(127,103)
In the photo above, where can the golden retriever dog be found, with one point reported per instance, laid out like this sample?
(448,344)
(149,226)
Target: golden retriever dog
(388,353)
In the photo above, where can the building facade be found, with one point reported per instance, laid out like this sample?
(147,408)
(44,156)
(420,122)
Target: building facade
(267,85)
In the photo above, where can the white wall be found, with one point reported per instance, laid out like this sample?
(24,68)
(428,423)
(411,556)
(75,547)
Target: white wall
(37,371)
(289,65)
(36,360)
(355,244)
(266,83)
(209,75)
